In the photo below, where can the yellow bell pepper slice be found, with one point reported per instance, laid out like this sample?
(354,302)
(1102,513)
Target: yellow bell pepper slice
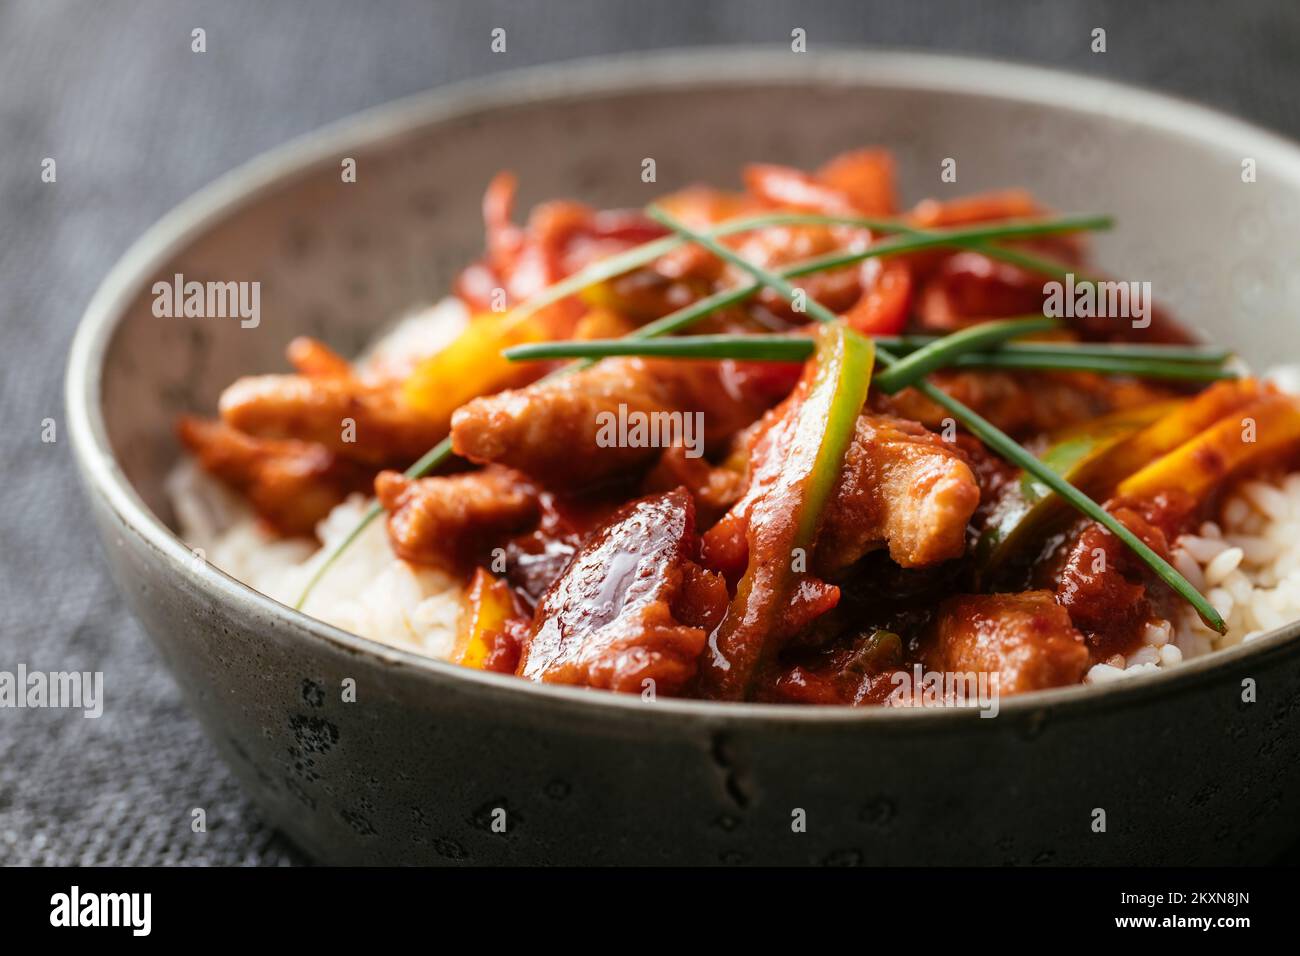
(1251,434)
(472,365)
(488,606)
(1170,431)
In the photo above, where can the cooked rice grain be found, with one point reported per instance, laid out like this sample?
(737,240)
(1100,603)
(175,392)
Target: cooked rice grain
(1248,567)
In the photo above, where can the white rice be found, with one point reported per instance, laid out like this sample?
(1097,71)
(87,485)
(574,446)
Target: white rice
(369,590)
(1247,565)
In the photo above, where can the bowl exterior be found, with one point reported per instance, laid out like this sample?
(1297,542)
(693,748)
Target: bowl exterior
(417,767)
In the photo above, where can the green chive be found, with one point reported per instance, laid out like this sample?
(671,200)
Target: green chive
(993,437)
(1032,263)
(972,238)
(926,359)
(1138,368)
(758,348)
(792,348)
(1172,353)
(915,240)
(796,348)
(648,252)
(688,315)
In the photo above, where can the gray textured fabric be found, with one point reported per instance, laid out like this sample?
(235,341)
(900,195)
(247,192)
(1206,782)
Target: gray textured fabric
(137,122)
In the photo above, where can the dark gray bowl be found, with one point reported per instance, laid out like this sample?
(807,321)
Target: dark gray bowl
(414,770)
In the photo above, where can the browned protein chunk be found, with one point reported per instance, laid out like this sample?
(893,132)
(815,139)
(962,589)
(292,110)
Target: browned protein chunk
(1101,583)
(556,431)
(314,359)
(386,431)
(714,488)
(1026,639)
(291,484)
(902,487)
(443,521)
(631,607)
(1023,404)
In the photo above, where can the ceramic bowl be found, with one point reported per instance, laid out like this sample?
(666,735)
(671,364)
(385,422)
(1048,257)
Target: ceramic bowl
(415,770)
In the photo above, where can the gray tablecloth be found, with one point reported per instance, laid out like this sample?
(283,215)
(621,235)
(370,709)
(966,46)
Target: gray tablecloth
(136,121)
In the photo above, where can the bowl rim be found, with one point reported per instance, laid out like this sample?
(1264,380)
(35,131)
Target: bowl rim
(596,77)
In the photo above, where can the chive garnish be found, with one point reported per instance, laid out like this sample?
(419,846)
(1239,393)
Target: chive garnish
(926,359)
(973,238)
(646,253)
(1126,350)
(797,348)
(915,240)
(1138,362)
(966,237)
(754,348)
(992,436)
(1064,362)
(979,238)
